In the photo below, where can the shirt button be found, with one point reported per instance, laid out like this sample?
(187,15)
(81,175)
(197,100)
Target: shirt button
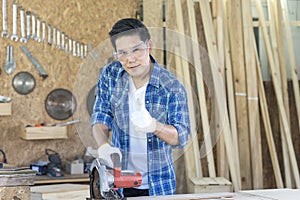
(147,101)
(149,140)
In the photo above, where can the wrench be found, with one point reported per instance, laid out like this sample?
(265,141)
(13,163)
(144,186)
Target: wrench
(49,34)
(63,40)
(54,36)
(33,35)
(58,38)
(81,50)
(85,50)
(74,48)
(43,31)
(22,18)
(70,45)
(38,32)
(67,44)
(4,32)
(10,64)
(78,49)
(14,35)
(28,16)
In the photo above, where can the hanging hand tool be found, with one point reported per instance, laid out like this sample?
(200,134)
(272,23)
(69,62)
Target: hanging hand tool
(35,62)
(14,35)
(4,32)
(10,64)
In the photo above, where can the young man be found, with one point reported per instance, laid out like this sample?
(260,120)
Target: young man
(144,106)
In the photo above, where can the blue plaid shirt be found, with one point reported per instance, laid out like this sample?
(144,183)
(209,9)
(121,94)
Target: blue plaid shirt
(166,101)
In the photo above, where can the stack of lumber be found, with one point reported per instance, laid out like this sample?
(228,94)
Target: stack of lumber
(211,47)
(60,191)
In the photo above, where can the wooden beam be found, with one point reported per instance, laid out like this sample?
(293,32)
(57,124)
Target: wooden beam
(252,97)
(277,89)
(208,151)
(239,74)
(192,155)
(292,58)
(277,39)
(266,121)
(219,91)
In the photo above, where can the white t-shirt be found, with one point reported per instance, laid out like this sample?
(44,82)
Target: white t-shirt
(138,140)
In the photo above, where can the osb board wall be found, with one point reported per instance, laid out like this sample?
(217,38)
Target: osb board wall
(84,21)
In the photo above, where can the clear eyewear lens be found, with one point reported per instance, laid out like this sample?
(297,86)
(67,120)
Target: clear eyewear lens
(138,51)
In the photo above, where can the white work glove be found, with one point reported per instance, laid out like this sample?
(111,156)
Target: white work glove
(142,120)
(105,151)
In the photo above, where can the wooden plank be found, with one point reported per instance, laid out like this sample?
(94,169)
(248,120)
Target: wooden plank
(276,35)
(277,89)
(192,155)
(208,151)
(219,91)
(252,97)
(230,91)
(239,75)
(152,18)
(267,123)
(60,191)
(292,59)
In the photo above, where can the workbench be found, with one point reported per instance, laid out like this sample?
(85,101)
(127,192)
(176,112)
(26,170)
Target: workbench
(67,178)
(267,194)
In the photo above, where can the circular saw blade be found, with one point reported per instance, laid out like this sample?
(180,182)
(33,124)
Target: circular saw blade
(23,83)
(95,185)
(60,104)
(91,99)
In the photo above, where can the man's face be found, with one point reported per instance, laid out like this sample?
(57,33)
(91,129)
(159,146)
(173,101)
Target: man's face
(133,54)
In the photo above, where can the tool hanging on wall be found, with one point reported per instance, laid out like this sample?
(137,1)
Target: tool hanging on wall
(10,63)
(34,62)
(60,104)
(23,83)
(4,32)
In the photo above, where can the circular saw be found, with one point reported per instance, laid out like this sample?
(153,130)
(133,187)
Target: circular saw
(105,181)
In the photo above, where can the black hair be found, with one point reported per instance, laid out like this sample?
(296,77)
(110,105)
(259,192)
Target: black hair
(128,26)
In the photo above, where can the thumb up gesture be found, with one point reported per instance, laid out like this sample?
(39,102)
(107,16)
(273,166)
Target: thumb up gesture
(141,119)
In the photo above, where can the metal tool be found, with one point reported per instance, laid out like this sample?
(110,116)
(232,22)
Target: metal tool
(49,35)
(58,38)
(38,30)
(33,23)
(60,104)
(4,32)
(28,18)
(54,36)
(70,45)
(10,63)
(23,83)
(22,19)
(4,99)
(14,35)
(43,31)
(34,62)
(74,48)
(69,122)
(78,49)
(66,44)
(63,40)
(105,181)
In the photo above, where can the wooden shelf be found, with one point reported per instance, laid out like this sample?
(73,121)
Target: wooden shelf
(41,133)
(5,109)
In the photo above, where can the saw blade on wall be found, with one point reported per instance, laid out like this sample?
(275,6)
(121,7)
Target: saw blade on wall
(60,104)
(23,83)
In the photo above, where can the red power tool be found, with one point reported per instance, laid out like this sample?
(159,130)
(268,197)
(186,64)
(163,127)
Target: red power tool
(105,181)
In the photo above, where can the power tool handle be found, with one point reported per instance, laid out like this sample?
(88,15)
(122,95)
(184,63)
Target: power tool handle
(116,160)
